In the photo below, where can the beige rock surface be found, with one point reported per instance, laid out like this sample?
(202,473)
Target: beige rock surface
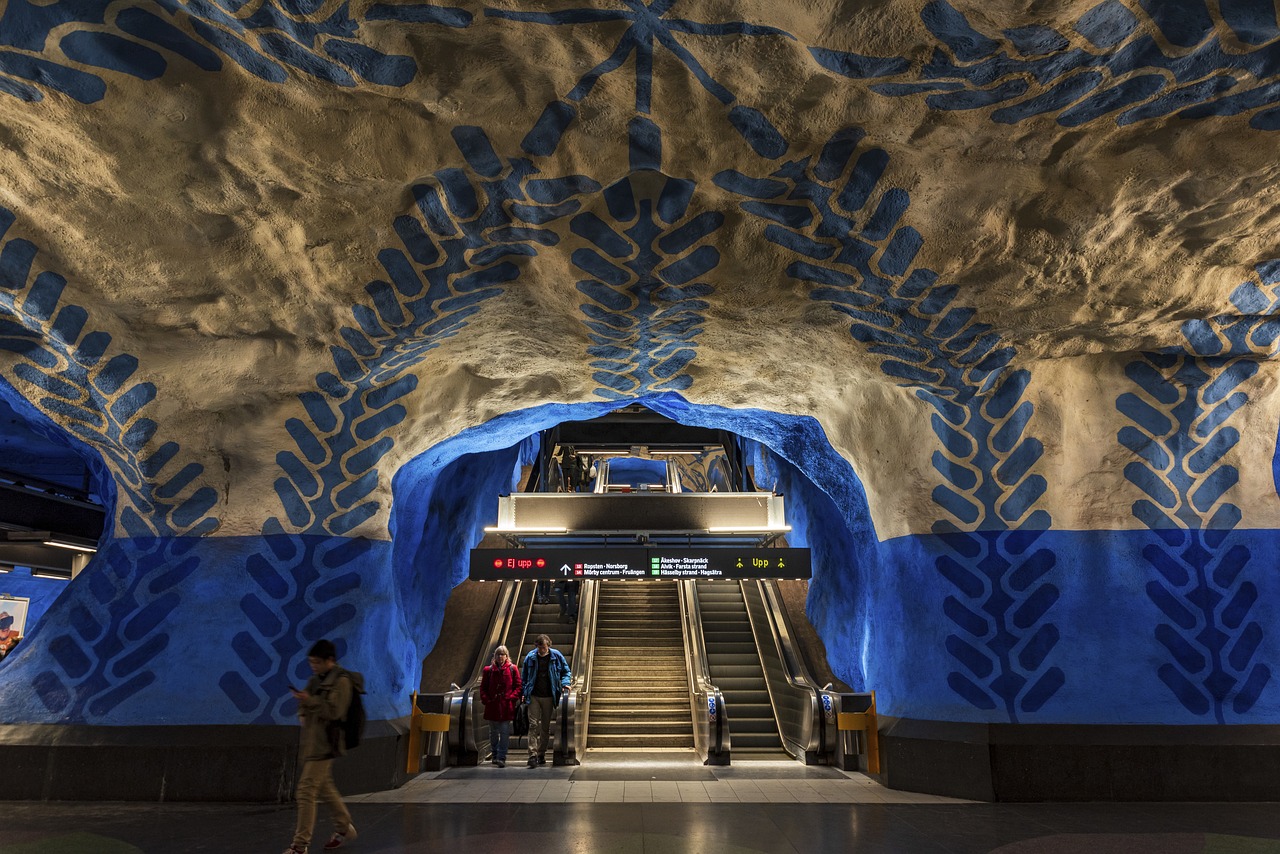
(220,229)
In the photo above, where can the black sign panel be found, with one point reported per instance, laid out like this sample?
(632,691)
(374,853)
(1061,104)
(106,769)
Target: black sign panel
(638,564)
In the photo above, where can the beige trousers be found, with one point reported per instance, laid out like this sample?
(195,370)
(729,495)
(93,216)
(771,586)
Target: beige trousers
(316,783)
(541,713)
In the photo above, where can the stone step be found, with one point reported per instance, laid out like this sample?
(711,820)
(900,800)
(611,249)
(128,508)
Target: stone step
(640,716)
(647,741)
(601,726)
(640,694)
(635,630)
(615,702)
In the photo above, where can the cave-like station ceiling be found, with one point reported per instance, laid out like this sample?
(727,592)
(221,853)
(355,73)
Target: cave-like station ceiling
(992,287)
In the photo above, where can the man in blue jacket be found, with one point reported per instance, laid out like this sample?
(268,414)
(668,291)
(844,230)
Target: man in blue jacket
(545,674)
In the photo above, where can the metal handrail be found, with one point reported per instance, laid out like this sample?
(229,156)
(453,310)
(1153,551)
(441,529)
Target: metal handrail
(706,703)
(575,706)
(810,733)
(466,716)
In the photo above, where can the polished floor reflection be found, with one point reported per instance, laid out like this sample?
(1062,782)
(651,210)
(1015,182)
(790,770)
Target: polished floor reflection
(654,805)
(650,828)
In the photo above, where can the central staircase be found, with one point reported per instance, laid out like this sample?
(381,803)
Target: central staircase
(639,687)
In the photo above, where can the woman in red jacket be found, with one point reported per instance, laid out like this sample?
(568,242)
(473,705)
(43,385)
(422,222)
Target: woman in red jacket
(500,692)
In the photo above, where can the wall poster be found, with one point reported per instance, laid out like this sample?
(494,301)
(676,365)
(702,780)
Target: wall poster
(13,622)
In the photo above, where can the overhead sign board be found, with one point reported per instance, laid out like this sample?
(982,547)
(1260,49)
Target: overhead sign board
(638,564)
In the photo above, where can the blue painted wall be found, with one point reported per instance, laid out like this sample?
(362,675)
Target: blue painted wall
(1081,634)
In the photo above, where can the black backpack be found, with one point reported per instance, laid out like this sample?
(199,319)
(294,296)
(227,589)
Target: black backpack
(353,723)
(350,728)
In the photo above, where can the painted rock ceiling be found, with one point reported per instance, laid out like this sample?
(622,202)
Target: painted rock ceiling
(826,209)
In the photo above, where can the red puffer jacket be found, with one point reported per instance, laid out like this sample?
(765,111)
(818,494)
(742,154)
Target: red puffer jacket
(500,691)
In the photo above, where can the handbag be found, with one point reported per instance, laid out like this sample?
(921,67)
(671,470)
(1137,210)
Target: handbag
(520,723)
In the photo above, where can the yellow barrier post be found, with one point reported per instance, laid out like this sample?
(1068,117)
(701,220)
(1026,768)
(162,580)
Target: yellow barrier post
(420,722)
(865,723)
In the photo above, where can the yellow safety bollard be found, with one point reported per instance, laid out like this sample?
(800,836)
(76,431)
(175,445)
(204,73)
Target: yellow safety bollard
(420,722)
(864,722)
(434,722)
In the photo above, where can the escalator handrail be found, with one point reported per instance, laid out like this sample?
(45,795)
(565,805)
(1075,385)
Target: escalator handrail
(812,737)
(827,696)
(575,707)
(461,700)
(706,702)
(797,669)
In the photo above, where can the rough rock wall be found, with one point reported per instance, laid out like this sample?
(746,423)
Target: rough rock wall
(992,285)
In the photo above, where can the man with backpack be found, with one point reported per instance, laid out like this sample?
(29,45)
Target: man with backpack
(325,706)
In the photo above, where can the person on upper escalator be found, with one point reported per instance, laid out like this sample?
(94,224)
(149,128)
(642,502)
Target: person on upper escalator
(567,596)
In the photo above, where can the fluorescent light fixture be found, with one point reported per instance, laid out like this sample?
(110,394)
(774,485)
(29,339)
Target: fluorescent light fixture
(67,544)
(495,530)
(767,529)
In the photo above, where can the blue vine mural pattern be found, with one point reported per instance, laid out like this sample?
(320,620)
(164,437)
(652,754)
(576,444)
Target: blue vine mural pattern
(1109,66)
(93,395)
(298,590)
(647,257)
(118,617)
(648,26)
(119,626)
(275,36)
(1182,437)
(645,309)
(844,230)
(463,245)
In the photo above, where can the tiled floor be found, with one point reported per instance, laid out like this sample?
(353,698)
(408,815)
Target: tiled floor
(638,777)
(639,805)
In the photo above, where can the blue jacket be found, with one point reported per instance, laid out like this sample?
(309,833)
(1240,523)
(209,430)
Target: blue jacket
(559,672)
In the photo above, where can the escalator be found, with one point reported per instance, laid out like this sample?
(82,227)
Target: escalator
(710,665)
(733,663)
(774,705)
